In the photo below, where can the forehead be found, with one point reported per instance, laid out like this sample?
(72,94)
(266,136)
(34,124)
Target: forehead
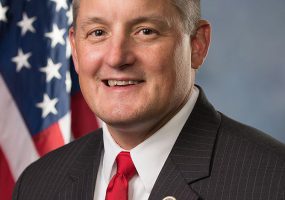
(125,9)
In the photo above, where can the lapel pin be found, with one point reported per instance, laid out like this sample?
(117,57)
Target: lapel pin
(169,198)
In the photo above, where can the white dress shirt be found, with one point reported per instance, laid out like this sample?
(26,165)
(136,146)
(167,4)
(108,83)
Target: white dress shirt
(148,157)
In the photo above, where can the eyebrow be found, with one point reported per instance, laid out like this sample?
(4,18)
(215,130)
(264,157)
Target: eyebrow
(92,20)
(157,19)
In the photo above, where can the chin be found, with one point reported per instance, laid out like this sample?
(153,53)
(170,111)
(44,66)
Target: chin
(121,124)
(122,120)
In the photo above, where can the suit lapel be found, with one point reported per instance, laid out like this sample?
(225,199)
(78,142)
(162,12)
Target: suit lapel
(190,158)
(81,179)
(171,183)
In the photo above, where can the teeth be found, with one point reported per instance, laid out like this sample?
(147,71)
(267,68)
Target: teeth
(113,83)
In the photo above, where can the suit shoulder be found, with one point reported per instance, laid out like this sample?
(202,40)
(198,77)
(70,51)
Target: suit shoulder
(253,137)
(63,157)
(69,151)
(50,171)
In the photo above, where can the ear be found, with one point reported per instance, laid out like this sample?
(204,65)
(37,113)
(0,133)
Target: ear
(200,42)
(71,35)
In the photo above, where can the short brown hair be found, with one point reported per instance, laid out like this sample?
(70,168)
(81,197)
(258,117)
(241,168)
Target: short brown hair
(189,11)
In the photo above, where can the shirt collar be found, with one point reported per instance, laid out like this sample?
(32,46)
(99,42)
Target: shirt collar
(111,150)
(149,156)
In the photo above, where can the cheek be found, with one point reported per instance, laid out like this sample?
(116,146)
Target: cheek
(159,58)
(89,59)
(170,69)
(161,72)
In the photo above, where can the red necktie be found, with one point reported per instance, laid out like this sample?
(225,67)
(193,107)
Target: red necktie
(118,186)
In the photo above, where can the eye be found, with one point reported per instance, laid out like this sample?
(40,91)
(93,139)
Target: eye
(147,31)
(98,33)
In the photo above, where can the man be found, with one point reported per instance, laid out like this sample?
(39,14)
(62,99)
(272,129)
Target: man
(136,61)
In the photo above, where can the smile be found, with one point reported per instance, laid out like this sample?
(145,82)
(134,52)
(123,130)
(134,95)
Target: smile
(113,83)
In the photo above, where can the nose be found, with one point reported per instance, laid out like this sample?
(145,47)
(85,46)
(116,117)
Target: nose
(120,52)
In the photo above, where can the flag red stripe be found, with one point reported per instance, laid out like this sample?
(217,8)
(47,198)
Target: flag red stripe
(83,119)
(49,139)
(6,179)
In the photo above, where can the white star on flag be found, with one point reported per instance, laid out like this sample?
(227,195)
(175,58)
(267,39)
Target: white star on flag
(56,36)
(60,4)
(26,24)
(47,106)
(3,11)
(69,15)
(51,70)
(68,82)
(21,60)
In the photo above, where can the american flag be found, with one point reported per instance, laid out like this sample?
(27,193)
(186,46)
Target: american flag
(35,85)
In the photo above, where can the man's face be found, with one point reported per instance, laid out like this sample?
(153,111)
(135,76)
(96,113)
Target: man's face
(133,60)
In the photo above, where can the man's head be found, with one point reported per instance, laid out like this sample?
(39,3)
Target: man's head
(136,60)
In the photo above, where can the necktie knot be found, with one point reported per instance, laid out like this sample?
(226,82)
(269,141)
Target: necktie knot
(125,165)
(118,186)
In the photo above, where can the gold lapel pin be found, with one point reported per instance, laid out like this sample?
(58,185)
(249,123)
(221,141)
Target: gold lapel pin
(169,198)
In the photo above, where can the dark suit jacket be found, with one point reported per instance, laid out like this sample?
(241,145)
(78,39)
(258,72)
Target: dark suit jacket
(214,157)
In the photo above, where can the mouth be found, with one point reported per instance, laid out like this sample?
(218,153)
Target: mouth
(121,83)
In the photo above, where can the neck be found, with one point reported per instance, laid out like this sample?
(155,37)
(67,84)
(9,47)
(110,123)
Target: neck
(128,140)
(128,137)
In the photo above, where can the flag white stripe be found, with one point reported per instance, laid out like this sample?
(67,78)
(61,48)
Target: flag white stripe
(64,125)
(15,140)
